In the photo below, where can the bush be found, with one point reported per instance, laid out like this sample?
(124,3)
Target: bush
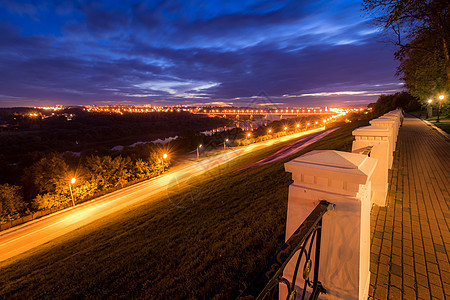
(10,202)
(44,201)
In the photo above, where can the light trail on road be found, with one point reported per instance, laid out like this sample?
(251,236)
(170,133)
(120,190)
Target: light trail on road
(24,237)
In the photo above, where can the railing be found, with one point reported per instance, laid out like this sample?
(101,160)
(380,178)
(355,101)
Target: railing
(265,286)
(364,151)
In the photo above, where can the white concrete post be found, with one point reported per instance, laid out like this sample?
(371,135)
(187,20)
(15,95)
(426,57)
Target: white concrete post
(391,124)
(396,120)
(341,178)
(396,114)
(379,138)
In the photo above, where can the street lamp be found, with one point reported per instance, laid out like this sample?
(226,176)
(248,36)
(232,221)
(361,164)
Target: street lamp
(72,181)
(199,146)
(429,108)
(441,97)
(248,135)
(163,157)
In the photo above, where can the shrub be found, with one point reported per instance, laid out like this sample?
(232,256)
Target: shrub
(10,202)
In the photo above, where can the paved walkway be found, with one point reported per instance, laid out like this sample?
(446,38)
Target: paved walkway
(410,238)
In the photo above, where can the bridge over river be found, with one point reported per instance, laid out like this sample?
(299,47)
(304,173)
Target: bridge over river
(266,113)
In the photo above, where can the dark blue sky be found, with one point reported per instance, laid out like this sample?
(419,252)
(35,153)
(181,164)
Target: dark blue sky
(298,52)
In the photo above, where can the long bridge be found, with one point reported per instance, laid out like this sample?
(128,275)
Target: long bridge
(291,112)
(264,112)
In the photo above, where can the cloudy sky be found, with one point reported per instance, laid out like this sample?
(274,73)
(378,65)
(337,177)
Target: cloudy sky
(296,53)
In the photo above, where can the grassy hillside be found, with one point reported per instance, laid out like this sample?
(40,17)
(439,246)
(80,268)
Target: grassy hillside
(207,238)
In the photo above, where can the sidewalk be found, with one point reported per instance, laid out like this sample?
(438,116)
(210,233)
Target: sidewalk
(410,238)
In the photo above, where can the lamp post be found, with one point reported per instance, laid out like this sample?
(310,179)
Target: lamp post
(72,181)
(163,157)
(429,108)
(199,146)
(441,97)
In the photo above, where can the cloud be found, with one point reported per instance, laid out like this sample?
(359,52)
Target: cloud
(330,94)
(162,51)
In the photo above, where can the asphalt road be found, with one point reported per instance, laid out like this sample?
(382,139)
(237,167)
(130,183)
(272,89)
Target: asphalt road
(19,239)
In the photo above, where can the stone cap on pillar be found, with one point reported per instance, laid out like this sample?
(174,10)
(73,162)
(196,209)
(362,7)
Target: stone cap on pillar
(394,119)
(383,121)
(334,171)
(372,131)
(390,116)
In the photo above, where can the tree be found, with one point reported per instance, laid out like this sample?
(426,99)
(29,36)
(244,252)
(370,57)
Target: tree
(48,175)
(424,72)
(105,172)
(387,103)
(49,200)
(141,169)
(422,33)
(11,203)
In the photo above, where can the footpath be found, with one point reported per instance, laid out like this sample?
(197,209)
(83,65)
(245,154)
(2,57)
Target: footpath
(410,237)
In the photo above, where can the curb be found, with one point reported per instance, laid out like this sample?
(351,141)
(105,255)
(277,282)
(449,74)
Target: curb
(442,132)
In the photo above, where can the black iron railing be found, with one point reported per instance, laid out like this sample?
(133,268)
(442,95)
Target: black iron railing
(367,151)
(364,151)
(265,286)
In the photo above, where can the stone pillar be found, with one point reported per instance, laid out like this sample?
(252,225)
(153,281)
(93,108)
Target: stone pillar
(391,125)
(379,138)
(397,123)
(344,179)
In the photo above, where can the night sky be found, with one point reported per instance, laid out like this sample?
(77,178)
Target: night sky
(297,52)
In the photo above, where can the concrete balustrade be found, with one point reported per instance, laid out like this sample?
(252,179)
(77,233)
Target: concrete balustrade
(380,138)
(344,179)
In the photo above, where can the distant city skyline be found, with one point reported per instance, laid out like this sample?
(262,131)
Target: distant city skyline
(297,53)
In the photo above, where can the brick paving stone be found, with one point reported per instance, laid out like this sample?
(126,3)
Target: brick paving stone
(410,237)
(437,292)
(409,293)
(409,281)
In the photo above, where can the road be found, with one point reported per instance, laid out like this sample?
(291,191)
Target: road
(290,149)
(19,239)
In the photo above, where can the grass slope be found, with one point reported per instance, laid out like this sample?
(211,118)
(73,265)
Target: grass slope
(208,238)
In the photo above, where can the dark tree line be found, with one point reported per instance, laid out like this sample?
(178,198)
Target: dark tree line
(386,103)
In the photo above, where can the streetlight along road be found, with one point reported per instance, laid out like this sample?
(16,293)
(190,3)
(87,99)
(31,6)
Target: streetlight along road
(163,158)
(199,146)
(72,181)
